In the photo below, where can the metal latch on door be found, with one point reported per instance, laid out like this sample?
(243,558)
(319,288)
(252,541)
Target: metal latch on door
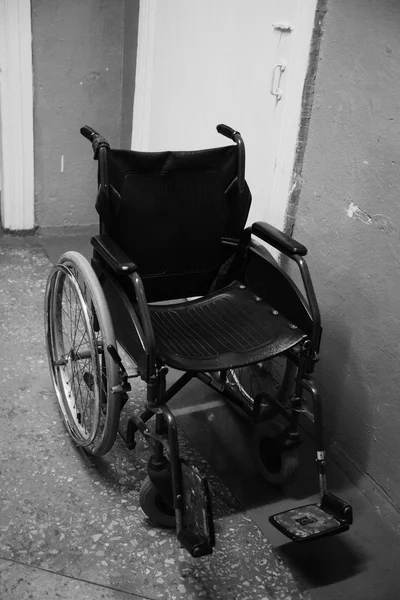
(277,71)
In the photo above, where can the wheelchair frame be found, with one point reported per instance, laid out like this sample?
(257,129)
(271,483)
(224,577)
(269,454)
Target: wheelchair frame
(173,477)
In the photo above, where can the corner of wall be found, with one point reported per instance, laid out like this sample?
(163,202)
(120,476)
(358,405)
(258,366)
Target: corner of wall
(306,110)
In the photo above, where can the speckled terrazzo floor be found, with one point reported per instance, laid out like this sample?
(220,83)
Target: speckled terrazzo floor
(70,525)
(361,564)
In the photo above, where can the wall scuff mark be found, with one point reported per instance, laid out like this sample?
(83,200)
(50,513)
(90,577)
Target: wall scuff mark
(358,213)
(384,223)
(381,221)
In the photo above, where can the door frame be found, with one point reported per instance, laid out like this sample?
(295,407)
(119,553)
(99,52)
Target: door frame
(144,75)
(284,182)
(16,115)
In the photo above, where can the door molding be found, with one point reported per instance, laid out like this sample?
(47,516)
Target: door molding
(284,183)
(16,114)
(306,113)
(144,75)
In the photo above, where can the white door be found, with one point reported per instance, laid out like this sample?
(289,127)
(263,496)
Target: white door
(206,62)
(16,116)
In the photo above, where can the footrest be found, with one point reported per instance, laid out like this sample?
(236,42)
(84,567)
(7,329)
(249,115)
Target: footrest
(314,521)
(197,534)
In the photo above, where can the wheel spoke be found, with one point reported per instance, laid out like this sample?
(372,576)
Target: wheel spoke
(74,336)
(78,328)
(268,377)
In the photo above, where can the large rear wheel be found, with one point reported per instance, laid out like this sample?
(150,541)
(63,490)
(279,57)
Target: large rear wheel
(270,379)
(78,330)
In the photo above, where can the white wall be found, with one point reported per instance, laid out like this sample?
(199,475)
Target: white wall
(16,105)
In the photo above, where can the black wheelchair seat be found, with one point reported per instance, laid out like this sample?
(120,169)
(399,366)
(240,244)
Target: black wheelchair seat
(229,328)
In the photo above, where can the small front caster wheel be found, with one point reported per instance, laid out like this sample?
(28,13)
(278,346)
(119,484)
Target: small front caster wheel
(276,463)
(154,506)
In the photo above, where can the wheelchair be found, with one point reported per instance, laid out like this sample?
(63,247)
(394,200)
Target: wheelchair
(177,281)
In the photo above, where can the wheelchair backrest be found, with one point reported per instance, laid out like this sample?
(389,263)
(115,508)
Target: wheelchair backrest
(176,215)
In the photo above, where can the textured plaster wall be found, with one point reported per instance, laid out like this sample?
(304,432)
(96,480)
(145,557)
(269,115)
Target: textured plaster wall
(77,66)
(349,217)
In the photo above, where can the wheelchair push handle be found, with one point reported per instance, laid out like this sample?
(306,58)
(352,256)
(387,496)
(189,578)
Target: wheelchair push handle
(88,132)
(237,138)
(227,131)
(98,141)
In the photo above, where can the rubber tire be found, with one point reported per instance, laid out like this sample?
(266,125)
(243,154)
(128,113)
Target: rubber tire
(154,506)
(287,462)
(103,440)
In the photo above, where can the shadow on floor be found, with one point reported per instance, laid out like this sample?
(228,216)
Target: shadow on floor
(361,564)
(358,565)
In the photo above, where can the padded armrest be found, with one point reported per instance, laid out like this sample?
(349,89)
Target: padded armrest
(282,242)
(113,254)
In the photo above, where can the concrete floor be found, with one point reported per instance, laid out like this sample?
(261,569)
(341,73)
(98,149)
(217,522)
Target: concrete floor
(71,527)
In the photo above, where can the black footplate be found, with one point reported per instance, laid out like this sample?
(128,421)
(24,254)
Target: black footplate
(313,521)
(197,534)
